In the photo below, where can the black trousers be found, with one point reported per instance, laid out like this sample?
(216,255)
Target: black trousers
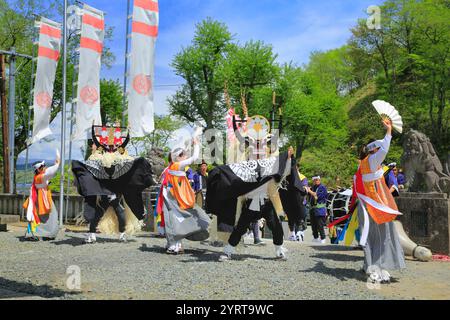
(297,222)
(93,212)
(318,225)
(254,227)
(248,216)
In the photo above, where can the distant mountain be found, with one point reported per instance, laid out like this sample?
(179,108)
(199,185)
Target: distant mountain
(21,163)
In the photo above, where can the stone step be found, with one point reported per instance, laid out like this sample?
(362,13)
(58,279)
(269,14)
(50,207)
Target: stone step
(9,218)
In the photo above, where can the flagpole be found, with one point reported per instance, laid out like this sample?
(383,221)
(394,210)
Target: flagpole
(63,117)
(125,76)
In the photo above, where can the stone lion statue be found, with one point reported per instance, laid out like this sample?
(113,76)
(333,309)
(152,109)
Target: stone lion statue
(156,158)
(423,169)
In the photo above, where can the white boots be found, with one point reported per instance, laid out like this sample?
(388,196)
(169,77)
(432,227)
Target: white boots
(280,252)
(175,248)
(227,252)
(90,238)
(318,240)
(379,276)
(123,237)
(297,237)
(293,236)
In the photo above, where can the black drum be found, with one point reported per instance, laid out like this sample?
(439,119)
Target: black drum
(338,203)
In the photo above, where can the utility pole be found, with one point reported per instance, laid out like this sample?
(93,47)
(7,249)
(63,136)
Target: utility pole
(5,126)
(10,118)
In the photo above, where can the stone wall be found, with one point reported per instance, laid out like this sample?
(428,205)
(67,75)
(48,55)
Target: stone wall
(426,219)
(11,204)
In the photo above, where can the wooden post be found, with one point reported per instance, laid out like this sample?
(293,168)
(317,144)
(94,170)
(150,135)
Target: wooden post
(5,126)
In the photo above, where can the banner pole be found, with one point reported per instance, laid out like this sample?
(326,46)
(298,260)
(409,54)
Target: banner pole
(30,106)
(125,76)
(63,115)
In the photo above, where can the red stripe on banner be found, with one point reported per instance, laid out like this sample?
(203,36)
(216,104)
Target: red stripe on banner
(93,21)
(147,5)
(50,31)
(48,53)
(145,29)
(89,43)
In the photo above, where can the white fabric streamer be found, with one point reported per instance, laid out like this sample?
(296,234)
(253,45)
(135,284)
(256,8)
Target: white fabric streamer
(143,38)
(88,92)
(48,55)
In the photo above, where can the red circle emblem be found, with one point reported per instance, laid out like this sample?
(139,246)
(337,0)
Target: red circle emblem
(43,99)
(89,95)
(142,84)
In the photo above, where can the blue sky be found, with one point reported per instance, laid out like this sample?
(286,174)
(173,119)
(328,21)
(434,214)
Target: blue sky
(295,28)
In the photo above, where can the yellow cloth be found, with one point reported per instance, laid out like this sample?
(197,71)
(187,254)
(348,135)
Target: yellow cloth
(302,177)
(352,227)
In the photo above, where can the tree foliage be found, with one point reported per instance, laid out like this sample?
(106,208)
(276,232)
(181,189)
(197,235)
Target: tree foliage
(327,111)
(165,127)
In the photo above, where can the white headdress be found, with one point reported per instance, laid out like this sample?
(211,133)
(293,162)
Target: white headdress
(374,145)
(38,165)
(175,153)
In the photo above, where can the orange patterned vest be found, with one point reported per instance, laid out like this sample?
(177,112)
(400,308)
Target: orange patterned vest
(181,188)
(383,205)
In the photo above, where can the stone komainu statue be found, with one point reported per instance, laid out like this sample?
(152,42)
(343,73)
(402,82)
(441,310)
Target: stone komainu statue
(155,157)
(423,169)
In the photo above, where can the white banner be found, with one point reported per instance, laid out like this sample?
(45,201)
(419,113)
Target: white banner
(88,91)
(140,101)
(48,55)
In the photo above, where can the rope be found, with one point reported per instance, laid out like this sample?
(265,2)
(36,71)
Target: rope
(244,104)
(227,96)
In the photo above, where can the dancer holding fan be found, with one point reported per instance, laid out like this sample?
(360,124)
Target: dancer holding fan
(180,216)
(376,208)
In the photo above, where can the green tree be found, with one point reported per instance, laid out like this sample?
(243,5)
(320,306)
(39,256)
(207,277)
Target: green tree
(111,100)
(410,58)
(334,68)
(165,126)
(199,64)
(249,68)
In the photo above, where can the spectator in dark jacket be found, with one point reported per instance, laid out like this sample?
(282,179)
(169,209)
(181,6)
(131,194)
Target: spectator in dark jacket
(199,185)
(318,199)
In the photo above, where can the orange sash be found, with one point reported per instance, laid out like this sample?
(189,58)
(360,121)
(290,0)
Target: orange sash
(181,188)
(378,191)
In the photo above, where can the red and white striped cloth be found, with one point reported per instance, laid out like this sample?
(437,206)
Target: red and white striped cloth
(143,38)
(47,61)
(88,91)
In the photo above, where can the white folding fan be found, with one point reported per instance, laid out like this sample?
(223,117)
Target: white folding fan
(386,110)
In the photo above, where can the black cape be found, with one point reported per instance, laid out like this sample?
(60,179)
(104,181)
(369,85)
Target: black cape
(224,187)
(130,185)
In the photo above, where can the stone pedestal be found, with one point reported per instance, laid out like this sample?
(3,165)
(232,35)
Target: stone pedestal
(7,219)
(426,219)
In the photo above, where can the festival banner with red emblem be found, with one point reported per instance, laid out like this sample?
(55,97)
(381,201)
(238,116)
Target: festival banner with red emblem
(48,55)
(143,38)
(88,91)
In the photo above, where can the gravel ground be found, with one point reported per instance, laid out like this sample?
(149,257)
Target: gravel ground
(140,269)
